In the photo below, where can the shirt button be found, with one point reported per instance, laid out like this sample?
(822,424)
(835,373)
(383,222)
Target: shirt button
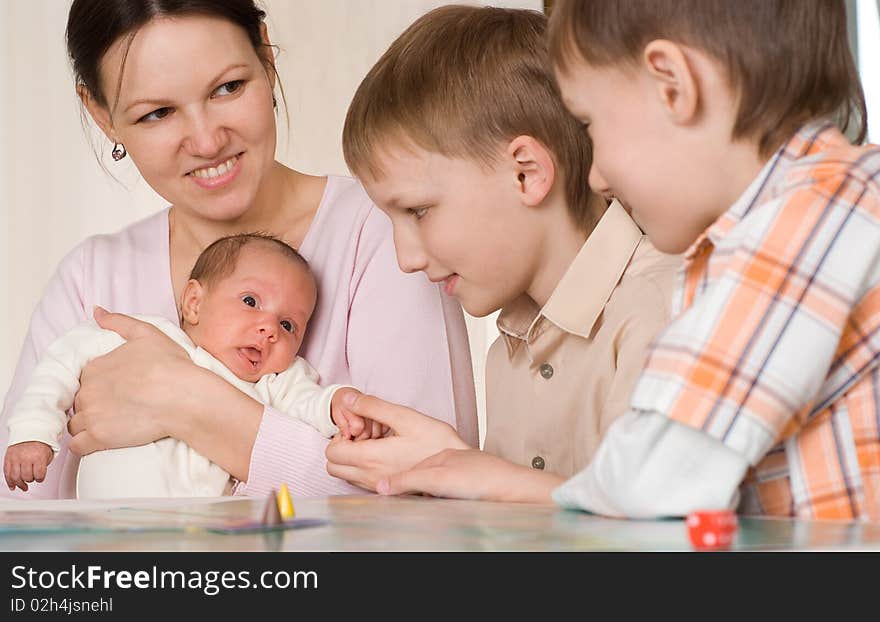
(538,463)
(546,371)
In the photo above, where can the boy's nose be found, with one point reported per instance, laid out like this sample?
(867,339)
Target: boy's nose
(410,262)
(410,256)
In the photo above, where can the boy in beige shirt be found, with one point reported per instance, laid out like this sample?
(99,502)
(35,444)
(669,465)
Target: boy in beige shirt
(459,135)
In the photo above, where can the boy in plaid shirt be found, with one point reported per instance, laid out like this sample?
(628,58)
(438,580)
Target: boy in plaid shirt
(717,122)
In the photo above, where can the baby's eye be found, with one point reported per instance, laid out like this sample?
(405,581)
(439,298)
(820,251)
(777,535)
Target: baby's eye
(287,325)
(249,301)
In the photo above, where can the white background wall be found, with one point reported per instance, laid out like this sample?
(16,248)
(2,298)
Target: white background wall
(53,191)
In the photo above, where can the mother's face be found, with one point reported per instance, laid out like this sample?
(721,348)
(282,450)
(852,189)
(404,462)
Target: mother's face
(194,112)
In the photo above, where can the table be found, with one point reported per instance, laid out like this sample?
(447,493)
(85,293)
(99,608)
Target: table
(373,523)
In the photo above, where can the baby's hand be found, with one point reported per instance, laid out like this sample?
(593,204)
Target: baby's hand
(26,462)
(352,426)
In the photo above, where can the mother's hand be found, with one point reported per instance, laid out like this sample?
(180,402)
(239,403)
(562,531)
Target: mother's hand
(125,394)
(416,437)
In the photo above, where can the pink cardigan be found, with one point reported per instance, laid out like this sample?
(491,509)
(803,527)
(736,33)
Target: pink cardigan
(388,333)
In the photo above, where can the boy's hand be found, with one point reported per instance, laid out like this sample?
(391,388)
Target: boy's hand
(473,474)
(416,436)
(353,426)
(26,462)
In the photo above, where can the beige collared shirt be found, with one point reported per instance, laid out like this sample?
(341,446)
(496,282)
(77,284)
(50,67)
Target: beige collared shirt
(557,377)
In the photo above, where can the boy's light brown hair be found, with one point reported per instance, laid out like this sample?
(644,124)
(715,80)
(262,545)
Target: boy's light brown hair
(463,81)
(788,61)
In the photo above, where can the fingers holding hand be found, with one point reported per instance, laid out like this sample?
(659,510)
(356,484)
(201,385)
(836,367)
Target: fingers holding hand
(342,423)
(355,426)
(377,429)
(350,424)
(386,413)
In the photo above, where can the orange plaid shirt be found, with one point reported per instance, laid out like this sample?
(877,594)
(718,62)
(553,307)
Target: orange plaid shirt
(774,349)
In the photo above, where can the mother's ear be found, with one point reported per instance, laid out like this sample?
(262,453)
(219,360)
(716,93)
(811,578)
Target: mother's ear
(267,54)
(97,111)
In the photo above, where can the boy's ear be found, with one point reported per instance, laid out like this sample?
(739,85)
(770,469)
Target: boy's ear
(99,113)
(534,169)
(191,302)
(266,54)
(674,78)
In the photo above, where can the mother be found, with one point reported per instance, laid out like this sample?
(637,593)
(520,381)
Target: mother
(185,88)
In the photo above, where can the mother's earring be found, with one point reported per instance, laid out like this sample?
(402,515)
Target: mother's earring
(118,152)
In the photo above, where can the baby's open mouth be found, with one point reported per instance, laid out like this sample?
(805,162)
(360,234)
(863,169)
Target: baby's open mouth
(252,355)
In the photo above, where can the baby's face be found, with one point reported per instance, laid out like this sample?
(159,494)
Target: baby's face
(253,321)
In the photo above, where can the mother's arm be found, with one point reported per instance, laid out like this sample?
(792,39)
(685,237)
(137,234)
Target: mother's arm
(148,389)
(161,393)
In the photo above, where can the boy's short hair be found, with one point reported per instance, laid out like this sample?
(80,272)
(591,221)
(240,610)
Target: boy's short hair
(462,80)
(788,61)
(218,260)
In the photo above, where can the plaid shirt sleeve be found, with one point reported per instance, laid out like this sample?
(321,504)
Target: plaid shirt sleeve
(781,314)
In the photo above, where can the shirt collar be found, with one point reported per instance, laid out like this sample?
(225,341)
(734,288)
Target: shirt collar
(582,292)
(809,139)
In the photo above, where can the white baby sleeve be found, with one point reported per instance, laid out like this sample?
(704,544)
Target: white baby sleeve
(41,412)
(296,392)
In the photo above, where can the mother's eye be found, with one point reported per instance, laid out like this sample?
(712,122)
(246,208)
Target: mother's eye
(156,115)
(229,88)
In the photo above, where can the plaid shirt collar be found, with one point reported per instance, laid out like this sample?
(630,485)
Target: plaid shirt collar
(811,138)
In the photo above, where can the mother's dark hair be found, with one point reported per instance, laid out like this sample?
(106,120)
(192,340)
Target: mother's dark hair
(93,26)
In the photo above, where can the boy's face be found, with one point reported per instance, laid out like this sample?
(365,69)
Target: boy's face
(253,321)
(460,222)
(640,156)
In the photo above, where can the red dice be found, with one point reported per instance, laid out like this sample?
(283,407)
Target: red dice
(711,529)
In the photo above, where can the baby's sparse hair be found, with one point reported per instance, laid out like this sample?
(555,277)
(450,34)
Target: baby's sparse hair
(218,260)
(463,81)
(788,61)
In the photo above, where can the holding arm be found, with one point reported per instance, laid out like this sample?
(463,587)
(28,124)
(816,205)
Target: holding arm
(118,406)
(195,405)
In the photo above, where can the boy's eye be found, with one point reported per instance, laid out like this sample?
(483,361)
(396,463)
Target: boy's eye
(156,115)
(249,301)
(229,87)
(287,325)
(417,212)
